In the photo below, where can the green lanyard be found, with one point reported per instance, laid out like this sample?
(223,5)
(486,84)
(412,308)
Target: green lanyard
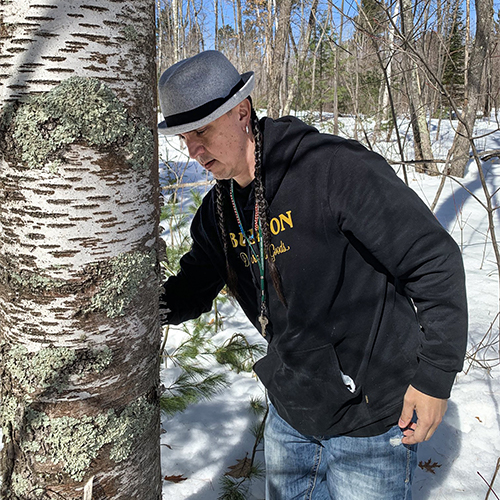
(261,262)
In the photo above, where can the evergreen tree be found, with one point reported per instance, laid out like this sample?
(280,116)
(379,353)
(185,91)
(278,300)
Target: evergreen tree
(373,17)
(454,67)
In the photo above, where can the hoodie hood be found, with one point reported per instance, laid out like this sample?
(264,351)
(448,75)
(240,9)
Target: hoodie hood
(278,154)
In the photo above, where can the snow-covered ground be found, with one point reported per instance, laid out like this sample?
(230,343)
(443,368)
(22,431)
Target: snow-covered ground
(201,443)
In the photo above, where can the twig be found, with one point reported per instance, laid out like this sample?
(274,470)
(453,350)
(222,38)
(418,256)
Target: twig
(490,485)
(438,192)
(484,155)
(259,435)
(162,350)
(472,356)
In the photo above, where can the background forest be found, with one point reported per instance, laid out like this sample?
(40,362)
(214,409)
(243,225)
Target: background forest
(373,58)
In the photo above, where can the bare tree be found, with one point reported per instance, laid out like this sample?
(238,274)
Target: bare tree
(277,45)
(79,329)
(336,75)
(301,52)
(178,28)
(216,23)
(475,87)
(418,113)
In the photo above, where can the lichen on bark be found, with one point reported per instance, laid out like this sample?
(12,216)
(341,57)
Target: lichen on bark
(50,367)
(72,443)
(29,280)
(75,442)
(77,110)
(29,375)
(123,277)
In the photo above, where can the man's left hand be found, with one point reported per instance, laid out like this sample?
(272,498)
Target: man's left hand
(429,410)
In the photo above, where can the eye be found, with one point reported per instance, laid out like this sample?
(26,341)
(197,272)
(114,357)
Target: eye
(201,131)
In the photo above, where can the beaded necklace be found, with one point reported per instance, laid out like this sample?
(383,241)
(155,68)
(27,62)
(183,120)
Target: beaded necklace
(259,258)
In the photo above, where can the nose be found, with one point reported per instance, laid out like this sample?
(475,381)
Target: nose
(195,148)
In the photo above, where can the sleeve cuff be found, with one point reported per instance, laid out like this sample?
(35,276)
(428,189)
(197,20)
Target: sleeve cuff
(433,381)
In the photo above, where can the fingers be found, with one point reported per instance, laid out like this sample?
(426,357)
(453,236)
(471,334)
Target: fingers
(406,415)
(429,412)
(418,433)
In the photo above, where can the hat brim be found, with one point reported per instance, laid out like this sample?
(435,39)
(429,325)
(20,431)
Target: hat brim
(243,93)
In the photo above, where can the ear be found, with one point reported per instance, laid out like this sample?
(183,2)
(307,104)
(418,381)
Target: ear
(244,112)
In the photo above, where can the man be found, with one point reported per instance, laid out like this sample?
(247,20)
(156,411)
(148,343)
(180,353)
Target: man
(354,284)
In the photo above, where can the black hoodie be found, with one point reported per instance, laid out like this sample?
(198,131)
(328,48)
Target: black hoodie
(374,285)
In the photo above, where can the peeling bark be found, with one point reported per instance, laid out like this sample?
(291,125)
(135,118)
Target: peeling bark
(79,248)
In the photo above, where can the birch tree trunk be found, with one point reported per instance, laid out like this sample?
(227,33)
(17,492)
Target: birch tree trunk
(79,330)
(177,15)
(474,92)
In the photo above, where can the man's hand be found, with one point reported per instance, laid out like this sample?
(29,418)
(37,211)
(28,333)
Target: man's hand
(429,410)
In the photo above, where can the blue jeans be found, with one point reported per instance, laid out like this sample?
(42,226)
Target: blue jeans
(339,468)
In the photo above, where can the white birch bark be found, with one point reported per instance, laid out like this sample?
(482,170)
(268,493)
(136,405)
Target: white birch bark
(79,326)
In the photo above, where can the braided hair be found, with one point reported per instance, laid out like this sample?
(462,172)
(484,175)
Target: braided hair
(222,205)
(220,209)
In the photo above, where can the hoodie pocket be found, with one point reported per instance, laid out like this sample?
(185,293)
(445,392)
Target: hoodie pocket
(310,391)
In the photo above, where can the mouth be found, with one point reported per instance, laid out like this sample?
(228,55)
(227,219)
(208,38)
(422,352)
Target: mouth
(208,165)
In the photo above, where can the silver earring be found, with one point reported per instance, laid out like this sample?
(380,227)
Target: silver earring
(246,129)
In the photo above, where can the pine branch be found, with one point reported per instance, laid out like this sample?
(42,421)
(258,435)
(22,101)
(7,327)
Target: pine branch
(232,490)
(258,406)
(238,353)
(191,387)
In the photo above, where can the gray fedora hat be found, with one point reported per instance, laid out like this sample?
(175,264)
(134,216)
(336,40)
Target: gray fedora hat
(200,89)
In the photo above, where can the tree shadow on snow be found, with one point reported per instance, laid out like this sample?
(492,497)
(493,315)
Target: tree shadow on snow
(452,207)
(436,457)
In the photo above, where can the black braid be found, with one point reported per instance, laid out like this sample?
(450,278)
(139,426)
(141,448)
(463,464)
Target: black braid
(232,279)
(264,208)
(220,202)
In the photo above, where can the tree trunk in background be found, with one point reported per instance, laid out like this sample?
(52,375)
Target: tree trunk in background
(159,31)
(385,98)
(79,330)
(459,156)
(275,71)
(240,38)
(418,113)
(216,22)
(177,15)
(302,53)
(337,74)
(467,44)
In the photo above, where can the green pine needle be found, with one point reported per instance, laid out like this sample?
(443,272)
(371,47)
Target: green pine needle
(232,490)
(238,353)
(191,388)
(258,406)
